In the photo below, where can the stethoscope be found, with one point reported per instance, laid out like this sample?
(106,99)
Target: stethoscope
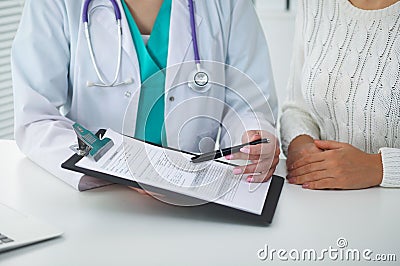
(200,80)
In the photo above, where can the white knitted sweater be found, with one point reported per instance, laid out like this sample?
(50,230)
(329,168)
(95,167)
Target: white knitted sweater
(345,79)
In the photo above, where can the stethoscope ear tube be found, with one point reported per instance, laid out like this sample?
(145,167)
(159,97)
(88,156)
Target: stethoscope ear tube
(85,18)
(96,68)
(85,12)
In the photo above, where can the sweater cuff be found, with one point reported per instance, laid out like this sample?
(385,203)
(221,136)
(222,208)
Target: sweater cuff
(391,167)
(287,137)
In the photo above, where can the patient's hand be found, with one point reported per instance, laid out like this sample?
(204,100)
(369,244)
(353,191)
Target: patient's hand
(299,147)
(339,166)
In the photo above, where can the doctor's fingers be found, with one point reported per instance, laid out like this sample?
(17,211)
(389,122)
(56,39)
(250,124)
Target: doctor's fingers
(255,156)
(264,177)
(146,193)
(252,135)
(261,166)
(243,156)
(264,150)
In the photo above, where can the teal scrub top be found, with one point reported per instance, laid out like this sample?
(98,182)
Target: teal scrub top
(152,60)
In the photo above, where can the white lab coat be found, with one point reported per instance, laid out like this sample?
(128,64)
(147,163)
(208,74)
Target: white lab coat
(51,67)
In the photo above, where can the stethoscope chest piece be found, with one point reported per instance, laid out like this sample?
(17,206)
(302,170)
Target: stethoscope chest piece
(199,81)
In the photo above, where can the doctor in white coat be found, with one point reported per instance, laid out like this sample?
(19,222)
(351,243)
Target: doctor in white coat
(51,68)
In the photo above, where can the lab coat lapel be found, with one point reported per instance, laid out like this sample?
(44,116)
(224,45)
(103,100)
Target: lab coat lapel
(180,39)
(127,41)
(128,48)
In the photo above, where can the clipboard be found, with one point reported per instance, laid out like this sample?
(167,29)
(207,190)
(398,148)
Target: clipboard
(267,214)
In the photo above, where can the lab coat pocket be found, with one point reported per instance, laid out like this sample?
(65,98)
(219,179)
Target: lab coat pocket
(206,141)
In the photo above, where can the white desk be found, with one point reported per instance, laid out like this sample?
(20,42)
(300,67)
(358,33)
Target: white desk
(116,226)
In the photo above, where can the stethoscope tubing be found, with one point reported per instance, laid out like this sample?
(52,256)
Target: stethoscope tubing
(96,68)
(194,32)
(117,11)
(85,13)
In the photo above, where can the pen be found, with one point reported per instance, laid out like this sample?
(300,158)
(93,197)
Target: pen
(223,152)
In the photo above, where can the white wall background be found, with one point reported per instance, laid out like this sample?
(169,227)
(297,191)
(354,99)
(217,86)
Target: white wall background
(273,4)
(278,25)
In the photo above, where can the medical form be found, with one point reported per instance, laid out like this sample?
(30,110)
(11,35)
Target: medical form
(173,170)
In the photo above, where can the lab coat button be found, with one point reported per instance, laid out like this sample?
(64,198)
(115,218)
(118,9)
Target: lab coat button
(128,94)
(172,98)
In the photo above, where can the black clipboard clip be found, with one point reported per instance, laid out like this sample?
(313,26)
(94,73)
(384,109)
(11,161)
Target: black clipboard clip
(89,144)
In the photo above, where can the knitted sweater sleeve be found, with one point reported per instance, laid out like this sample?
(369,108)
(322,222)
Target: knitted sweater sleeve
(391,167)
(298,116)
(296,120)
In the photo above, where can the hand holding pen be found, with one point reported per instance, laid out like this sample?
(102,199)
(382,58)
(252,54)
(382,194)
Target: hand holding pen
(263,158)
(225,152)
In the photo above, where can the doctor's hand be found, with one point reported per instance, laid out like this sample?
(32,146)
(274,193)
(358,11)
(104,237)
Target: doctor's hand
(339,166)
(146,193)
(263,157)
